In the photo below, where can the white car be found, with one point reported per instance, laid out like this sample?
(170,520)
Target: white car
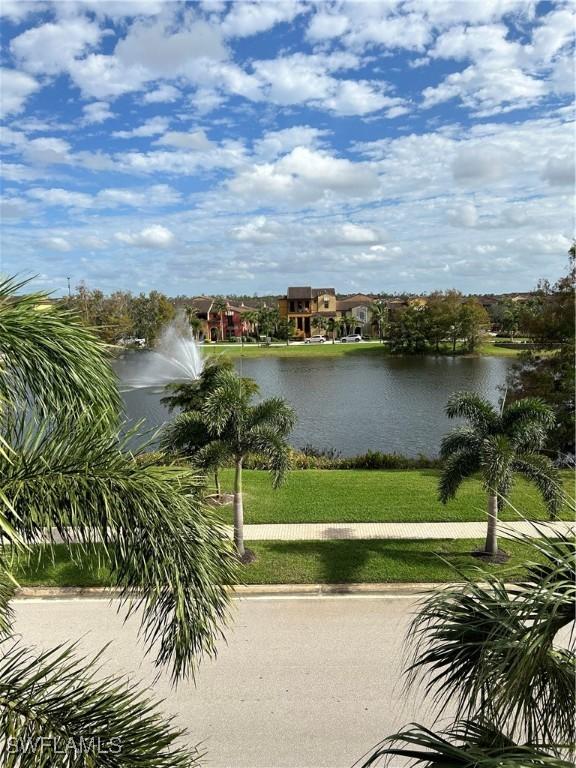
(315,340)
(351,337)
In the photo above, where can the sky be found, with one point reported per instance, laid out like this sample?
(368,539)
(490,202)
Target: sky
(238,148)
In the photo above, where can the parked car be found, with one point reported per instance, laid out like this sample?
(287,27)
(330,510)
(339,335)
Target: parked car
(315,340)
(351,337)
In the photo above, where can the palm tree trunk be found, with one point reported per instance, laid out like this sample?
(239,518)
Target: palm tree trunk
(491,546)
(238,509)
(217,482)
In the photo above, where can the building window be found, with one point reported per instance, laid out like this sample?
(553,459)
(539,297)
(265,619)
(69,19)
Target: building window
(326,303)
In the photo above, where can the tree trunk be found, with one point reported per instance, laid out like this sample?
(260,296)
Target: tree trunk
(217,481)
(491,546)
(238,509)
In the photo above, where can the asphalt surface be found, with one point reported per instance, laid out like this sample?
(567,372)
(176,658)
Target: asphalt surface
(302,682)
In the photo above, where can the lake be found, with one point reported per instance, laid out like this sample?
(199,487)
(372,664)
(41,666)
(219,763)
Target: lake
(353,403)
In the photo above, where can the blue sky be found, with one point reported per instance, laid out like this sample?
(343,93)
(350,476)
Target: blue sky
(217,147)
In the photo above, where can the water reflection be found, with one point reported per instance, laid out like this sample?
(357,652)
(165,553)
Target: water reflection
(358,403)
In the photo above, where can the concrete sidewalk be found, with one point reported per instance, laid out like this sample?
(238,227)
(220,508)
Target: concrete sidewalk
(330,531)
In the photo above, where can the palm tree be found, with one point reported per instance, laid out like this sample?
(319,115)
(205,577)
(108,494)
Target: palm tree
(319,323)
(251,317)
(194,321)
(185,436)
(379,317)
(494,653)
(236,429)
(65,473)
(220,306)
(498,445)
(332,327)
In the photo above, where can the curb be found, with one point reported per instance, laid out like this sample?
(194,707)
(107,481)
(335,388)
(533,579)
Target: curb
(243,590)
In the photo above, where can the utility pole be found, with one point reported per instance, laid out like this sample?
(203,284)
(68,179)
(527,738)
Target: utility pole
(69,294)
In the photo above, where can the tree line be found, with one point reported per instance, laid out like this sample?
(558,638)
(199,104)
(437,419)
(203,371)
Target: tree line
(121,315)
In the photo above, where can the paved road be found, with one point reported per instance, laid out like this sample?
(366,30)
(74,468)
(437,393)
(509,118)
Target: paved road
(303,682)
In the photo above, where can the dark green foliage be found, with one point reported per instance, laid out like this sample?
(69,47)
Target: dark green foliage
(55,711)
(498,446)
(493,652)
(64,469)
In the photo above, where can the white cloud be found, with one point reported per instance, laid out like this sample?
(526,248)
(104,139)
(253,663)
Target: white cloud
(249,18)
(464,215)
(47,151)
(350,235)
(275,143)
(324,26)
(194,140)
(259,230)
(56,243)
(61,197)
(97,112)
(151,127)
(559,171)
(50,48)
(305,176)
(154,236)
(164,93)
(15,88)
(14,208)
(164,54)
(485,163)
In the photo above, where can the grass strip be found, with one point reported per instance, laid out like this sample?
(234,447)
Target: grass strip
(300,562)
(355,496)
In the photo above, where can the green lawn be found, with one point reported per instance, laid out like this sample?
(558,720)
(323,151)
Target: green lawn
(330,350)
(345,496)
(304,562)
(306,350)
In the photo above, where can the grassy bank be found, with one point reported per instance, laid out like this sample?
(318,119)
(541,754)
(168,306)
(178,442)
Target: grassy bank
(298,350)
(304,562)
(344,496)
(334,350)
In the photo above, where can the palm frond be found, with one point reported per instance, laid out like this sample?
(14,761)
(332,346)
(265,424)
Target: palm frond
(464,745)
(463,438)
(457,468)
(478,411)
(275,413)
(528,410)
(54,711)
(7,588)
(49,361)
(269,444)
(539,470)
(185,434)
(491,649)
(166,552)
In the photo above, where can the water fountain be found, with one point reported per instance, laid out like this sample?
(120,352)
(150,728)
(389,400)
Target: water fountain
(176,358)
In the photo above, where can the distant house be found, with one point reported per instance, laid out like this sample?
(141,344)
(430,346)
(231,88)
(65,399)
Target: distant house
(219,326)
(305,306)
(357,307)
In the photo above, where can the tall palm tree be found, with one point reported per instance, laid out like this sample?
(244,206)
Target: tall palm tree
(220,306)
(332,327)
(238,428)
(182,435)
(495,654)
(498,445)
(251,317)
(379,317)
(65,472)
(194,321)
(319,323)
